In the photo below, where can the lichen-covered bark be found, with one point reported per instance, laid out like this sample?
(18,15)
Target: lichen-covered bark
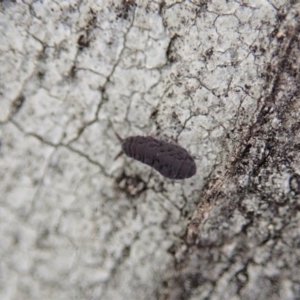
(219,77)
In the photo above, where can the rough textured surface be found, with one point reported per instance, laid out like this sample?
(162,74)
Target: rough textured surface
(221,77)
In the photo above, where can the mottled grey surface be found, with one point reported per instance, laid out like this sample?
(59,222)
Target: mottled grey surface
(221,77)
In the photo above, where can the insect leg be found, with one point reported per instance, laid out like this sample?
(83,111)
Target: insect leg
(118,155)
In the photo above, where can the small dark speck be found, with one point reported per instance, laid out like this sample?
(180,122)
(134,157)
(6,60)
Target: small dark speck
(41,75)
(281,16)
(72,72)
(83,42)
(297,147)
(209,52)
(126,252)
(17,103)
(274,32)
(254,48)
(294,183)
(174,115)
(263,50)
(154,114)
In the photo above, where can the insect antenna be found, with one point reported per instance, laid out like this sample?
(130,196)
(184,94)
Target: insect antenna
(121,141)
(119,138)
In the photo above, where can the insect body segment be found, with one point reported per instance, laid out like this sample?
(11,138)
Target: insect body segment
(172,161)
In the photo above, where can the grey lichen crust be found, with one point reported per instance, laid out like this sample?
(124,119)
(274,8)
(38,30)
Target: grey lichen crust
(221,78)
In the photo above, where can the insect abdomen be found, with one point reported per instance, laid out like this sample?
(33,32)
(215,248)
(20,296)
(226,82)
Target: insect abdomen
(172,161)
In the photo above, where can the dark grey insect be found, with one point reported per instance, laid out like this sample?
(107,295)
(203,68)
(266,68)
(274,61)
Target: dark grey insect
(170,160)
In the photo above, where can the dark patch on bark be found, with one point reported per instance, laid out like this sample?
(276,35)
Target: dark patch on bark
(72,72)
(171,52)
(125,8)
(83,42)
(209,52)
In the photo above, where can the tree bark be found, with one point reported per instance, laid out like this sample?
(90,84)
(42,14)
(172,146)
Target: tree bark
(221,78)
